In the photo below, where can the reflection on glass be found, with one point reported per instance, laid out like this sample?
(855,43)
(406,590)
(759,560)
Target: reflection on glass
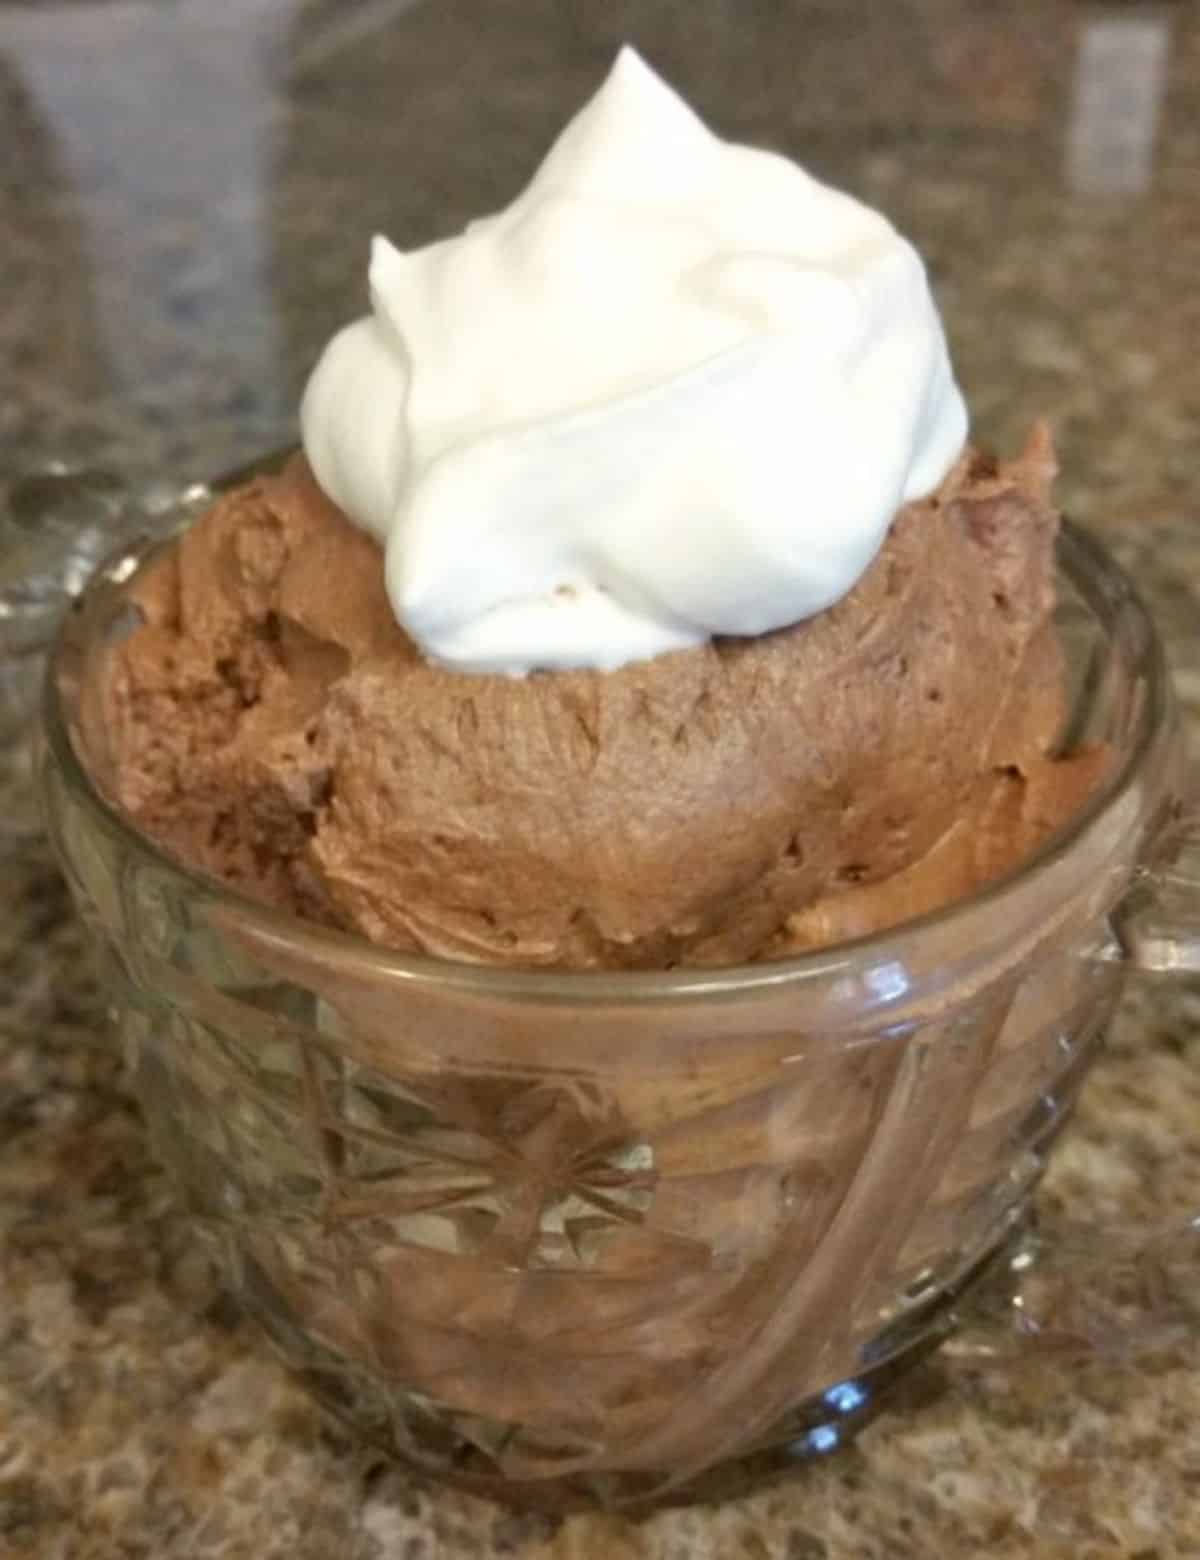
(162,118)
(1116,104)
(48,321)
(332,27)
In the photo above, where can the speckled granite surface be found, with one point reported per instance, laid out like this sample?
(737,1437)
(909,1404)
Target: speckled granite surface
(170,260)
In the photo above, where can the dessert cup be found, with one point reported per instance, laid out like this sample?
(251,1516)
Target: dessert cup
(567,1238)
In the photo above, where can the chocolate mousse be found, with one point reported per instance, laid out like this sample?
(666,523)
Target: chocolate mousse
(271,723)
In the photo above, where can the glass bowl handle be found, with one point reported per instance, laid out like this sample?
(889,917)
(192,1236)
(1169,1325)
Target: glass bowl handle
(1102,1290)
(1156,927)
(57,522)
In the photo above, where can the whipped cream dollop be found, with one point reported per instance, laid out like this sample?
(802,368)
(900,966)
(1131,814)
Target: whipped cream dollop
(677,389)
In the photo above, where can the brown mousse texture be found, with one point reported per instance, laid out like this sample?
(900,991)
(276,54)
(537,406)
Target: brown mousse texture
(268,722)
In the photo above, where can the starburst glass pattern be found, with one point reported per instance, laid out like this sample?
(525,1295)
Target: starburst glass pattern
(521,1174)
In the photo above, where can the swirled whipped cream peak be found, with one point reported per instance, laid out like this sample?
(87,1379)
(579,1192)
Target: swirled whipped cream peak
(678,389)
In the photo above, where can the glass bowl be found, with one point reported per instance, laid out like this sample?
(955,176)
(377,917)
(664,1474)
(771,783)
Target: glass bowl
(620,1238)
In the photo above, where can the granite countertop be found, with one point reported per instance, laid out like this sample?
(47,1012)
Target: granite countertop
(172,254)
